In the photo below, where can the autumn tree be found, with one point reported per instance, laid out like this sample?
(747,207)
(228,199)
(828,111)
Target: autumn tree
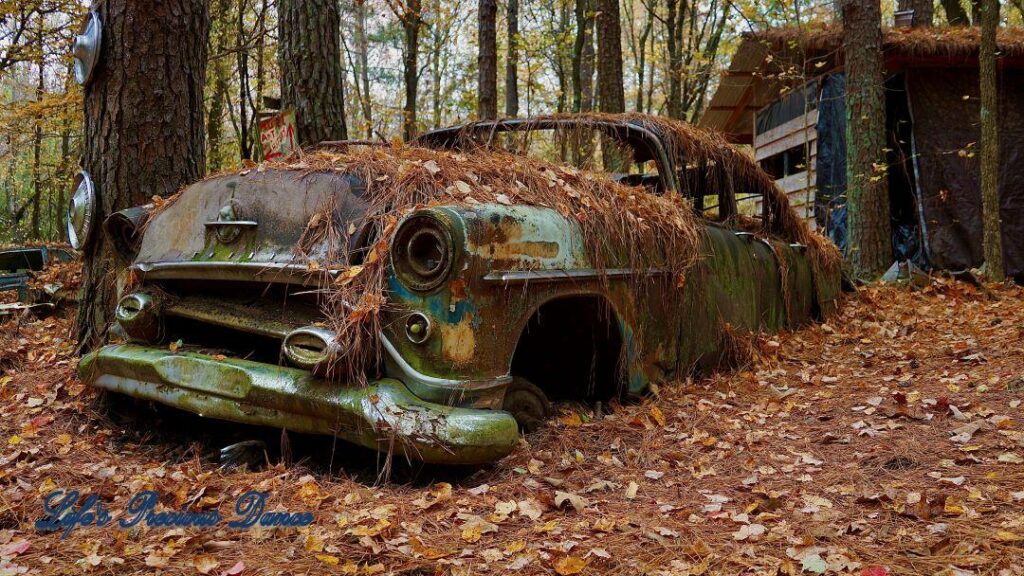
(487,60)
(992,229)
(867,197)
(312,79)
(143,127)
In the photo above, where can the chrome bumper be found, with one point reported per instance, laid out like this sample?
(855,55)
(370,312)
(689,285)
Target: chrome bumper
(383,415)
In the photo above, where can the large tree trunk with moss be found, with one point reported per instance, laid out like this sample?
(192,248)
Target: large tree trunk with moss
(312,79)
(992,236)
(143,128)
(487,61)
(870,250)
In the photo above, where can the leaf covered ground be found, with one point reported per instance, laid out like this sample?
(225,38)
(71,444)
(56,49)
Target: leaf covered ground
(888,440)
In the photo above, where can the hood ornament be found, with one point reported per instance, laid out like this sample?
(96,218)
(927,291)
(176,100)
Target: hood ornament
(227,227)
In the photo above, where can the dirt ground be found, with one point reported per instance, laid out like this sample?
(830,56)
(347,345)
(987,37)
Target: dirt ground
(888,440)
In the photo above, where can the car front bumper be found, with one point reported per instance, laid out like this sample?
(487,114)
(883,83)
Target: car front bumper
(384,415)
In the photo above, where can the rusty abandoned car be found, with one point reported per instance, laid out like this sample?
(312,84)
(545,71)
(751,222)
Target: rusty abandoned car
(432,298)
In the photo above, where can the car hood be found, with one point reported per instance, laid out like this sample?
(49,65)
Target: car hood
(271,210)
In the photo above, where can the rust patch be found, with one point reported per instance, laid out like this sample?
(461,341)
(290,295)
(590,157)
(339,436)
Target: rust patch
(517,250)
(458,341)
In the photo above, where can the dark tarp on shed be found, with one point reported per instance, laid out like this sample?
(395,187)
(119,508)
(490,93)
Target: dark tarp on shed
(830,197)
(950,180)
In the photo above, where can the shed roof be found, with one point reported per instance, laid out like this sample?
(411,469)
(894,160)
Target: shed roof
(770,61)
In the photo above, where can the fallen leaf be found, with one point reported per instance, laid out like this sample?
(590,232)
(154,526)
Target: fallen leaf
(567,565)
(204,563)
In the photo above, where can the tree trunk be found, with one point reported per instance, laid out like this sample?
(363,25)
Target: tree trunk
(412,20)
(924,11)
(992,237)
(242,57)
(37,139)
(487,61)
(221,17)
(512,61)
(870,251)
(610,82)
(362,58)
(674,19)
(583,59)
(312,80)
(143,128)
(641,59)
(955,13)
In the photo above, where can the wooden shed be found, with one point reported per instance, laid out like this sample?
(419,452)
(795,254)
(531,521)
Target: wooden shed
(784,95)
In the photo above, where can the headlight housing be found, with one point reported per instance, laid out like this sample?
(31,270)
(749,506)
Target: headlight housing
(81,211)
(422,252)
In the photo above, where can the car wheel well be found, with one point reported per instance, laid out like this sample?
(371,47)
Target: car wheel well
(571,347)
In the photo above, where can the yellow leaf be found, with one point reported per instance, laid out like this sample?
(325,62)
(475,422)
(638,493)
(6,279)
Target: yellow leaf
(569,565)
(547,526)
(346,277)
(374,530)
(15,440)
(658,416)
(515,546)
(571,419)
(1007,536)
(472,533)
(47,486)
(327,559)
(204,563)
(309,493)
(314,543)
(953,506)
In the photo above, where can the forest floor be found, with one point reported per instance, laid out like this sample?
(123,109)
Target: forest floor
(888,440)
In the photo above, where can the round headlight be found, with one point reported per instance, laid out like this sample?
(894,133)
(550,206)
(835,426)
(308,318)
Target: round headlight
(81,211)
(422,253)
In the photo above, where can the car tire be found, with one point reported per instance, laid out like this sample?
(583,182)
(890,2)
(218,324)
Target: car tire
(527,403)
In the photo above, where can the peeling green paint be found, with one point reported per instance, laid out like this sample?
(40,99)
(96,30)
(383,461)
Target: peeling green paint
(263,394)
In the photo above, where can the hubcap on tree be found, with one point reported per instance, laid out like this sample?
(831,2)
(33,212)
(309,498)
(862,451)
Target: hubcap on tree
(527,403)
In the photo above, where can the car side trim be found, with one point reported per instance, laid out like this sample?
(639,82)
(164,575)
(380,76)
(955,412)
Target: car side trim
(523,276)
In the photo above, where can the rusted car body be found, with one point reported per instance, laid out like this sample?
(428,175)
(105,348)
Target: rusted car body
(489,306)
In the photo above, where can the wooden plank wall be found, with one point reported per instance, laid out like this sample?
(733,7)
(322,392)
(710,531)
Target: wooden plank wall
(800,187)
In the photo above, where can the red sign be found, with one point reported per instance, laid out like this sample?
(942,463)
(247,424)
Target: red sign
(277,135)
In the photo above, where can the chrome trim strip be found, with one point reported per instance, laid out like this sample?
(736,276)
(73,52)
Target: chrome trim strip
(411,377)
(243,223)
(521,276)
(289,273)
